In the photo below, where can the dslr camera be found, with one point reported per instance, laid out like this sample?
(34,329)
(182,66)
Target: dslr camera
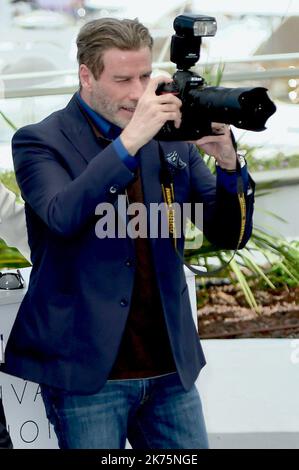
(246,108)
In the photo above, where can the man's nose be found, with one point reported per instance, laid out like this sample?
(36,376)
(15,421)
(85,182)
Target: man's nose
(136,90)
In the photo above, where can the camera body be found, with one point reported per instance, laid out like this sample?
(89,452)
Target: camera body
(246,108)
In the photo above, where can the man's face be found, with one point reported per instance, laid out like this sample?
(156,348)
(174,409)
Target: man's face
(116,92)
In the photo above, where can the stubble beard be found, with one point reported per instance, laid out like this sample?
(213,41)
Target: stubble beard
(108,110)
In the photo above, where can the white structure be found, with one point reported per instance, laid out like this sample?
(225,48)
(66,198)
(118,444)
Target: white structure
(249,391)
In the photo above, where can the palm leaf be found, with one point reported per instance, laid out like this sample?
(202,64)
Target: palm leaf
(244,286)
(8,121)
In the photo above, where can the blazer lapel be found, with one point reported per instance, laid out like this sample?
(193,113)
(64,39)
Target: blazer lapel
(78,132)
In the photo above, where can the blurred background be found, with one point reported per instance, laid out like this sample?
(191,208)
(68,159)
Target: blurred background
(256,44)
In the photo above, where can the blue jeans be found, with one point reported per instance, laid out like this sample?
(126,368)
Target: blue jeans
(155,413)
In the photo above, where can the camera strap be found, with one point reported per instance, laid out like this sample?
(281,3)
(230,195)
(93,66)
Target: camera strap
(167,184)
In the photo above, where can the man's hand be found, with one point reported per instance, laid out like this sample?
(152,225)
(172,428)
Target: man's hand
(220,146)
(150,115)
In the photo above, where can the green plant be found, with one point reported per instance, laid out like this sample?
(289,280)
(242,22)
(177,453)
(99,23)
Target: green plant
(10,257)
(280,256)
(213,77)
(280,268)
(8,121)
(8,178)
(274,162)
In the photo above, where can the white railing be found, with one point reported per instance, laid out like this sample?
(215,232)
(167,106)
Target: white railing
(69,88)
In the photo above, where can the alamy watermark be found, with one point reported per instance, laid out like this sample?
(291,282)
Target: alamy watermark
(135,220)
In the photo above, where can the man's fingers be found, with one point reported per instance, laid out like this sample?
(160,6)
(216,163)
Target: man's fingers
(155,82)
(165,98)
(169,98)
(220,128)
(209,139)
(178,122)
(173,116)
(170,107)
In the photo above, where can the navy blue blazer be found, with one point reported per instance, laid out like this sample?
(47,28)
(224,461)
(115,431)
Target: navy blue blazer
(70,323)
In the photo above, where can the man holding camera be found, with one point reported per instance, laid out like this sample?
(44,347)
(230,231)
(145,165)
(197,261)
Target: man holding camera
(106,326)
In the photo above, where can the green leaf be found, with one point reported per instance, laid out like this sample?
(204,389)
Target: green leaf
(245,286)
(8,121)
(255,267)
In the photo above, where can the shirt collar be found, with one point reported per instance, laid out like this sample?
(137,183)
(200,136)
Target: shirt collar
(109,130)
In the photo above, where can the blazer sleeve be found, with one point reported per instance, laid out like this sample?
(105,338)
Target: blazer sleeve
(221,208)
(13,228)
(63,203)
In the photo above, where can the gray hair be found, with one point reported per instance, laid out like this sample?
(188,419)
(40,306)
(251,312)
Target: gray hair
(97,36)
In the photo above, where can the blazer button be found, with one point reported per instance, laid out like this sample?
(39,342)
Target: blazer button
(113,189)
(123,302)
(128,263)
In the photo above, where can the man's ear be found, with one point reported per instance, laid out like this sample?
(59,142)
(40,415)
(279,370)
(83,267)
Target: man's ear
(85,76)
